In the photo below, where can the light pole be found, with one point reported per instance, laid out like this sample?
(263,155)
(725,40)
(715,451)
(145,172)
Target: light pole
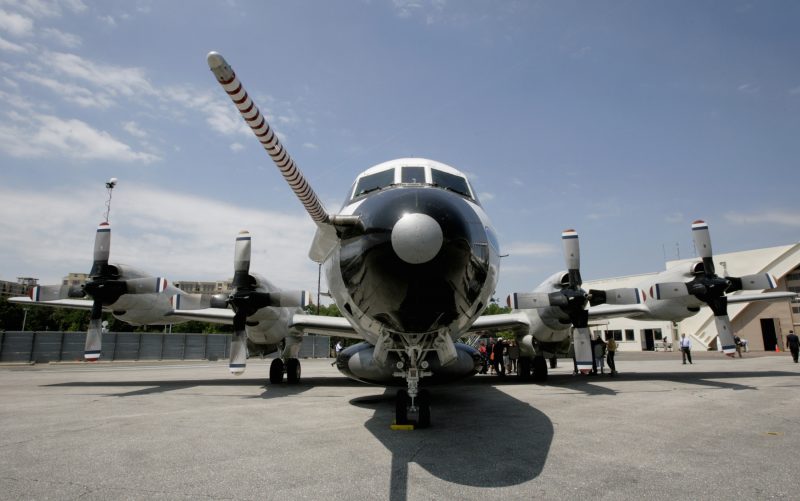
(24,317)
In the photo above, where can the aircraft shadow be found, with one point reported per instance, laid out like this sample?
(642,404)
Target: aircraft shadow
(479,436)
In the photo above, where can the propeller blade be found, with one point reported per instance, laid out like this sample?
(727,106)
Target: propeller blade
(102,248)
(290,299)
(241,260)
(149,285)
(702,243)
(671,290)
(192,301)
(615,296)
(49,292)
(572,257)
(725,333)
(531,300)
(582,343)
(759,281)
(94,336)
(238,360)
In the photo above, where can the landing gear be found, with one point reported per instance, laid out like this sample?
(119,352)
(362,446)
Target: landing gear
(524,368)
(292,371)
(276,371)
(421,406)
(539,369)
(553,362)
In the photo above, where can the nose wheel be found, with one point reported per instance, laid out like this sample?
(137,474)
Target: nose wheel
(416,411)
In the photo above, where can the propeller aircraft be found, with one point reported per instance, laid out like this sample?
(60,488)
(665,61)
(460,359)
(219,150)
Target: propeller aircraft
(412,261)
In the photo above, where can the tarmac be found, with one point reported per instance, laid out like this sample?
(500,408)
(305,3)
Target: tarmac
(717,429)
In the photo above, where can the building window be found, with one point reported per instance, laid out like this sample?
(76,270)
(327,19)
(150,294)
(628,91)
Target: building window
(616,334)
(657,334)
(791,277)
(796,310)
(629,335)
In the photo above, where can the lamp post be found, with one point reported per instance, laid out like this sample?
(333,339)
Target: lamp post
(24,317)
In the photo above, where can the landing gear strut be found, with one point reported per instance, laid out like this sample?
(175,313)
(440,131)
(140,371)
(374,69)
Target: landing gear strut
(539,369)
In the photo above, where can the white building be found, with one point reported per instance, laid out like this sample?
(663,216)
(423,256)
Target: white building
(764,324)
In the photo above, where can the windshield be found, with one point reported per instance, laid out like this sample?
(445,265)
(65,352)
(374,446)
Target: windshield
(413,175)
(450,182)
(374,182)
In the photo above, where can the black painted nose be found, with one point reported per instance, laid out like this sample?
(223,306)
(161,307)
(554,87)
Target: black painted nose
(419,259)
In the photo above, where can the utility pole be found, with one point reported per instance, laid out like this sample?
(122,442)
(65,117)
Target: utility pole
(24,317)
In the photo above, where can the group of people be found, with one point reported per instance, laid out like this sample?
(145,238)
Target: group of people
(498,356)
(602,352)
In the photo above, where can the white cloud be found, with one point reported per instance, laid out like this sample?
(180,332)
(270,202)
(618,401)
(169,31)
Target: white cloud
(108,20)
(65,39)
(795,90)
(310,146)
(530,249)
(748,89)
(47,136)
(782,217)
(236,147)
(115,80)
(134,130)
(15,24)
(48,8)
(161,232)
(70,92)
(675,217)
(7,46)
(486,196)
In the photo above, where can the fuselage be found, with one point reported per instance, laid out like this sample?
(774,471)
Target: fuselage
(423,257)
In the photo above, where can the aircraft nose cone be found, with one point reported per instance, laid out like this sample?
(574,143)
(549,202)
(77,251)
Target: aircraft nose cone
(416,238)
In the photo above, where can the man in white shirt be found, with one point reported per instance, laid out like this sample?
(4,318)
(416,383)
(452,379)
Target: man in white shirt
(686,348)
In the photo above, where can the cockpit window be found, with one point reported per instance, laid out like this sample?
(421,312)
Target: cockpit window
(374,182)
(450,182)
(413,175)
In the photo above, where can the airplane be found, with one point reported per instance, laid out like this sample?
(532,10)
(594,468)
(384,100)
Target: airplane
(130,294)
(412,260)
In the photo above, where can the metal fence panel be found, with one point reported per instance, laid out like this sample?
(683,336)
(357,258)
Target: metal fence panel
(16,347)
(73,346)
(127,346)
(109,346)
(150,346)
(47,347)
(217,346)
(173,346)
(195,347)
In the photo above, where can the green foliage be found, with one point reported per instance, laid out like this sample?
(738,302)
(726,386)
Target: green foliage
(495,309)
(330,310)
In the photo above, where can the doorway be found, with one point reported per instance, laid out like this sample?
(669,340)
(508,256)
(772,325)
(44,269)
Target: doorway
(768,334)
(648,342)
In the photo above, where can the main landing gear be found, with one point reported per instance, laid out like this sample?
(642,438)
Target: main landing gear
(291,368)
(534,369)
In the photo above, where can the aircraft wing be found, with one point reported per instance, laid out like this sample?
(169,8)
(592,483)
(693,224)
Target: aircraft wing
(329,326)
(517,322)
(75,304)
(764,296)
(607,311)
(211,315)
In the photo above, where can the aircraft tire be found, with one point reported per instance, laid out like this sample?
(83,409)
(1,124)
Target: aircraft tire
(553,362)
(524,368)
(292,371)
(401,407)
(539,369)
(276,371)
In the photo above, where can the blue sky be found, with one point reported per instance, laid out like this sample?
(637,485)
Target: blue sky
(623,120)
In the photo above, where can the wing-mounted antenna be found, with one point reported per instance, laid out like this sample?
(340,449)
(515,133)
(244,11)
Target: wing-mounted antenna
(267,137)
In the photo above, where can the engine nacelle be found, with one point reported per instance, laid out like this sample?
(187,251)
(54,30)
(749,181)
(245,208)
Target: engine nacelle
(357,362)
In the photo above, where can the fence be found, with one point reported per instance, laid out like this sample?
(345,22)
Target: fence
(43,347)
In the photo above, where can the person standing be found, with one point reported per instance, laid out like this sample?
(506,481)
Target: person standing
(497,352)
(611,346)
(686,348)
(793,343)
(738,342)
(599,351)
(513,356)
